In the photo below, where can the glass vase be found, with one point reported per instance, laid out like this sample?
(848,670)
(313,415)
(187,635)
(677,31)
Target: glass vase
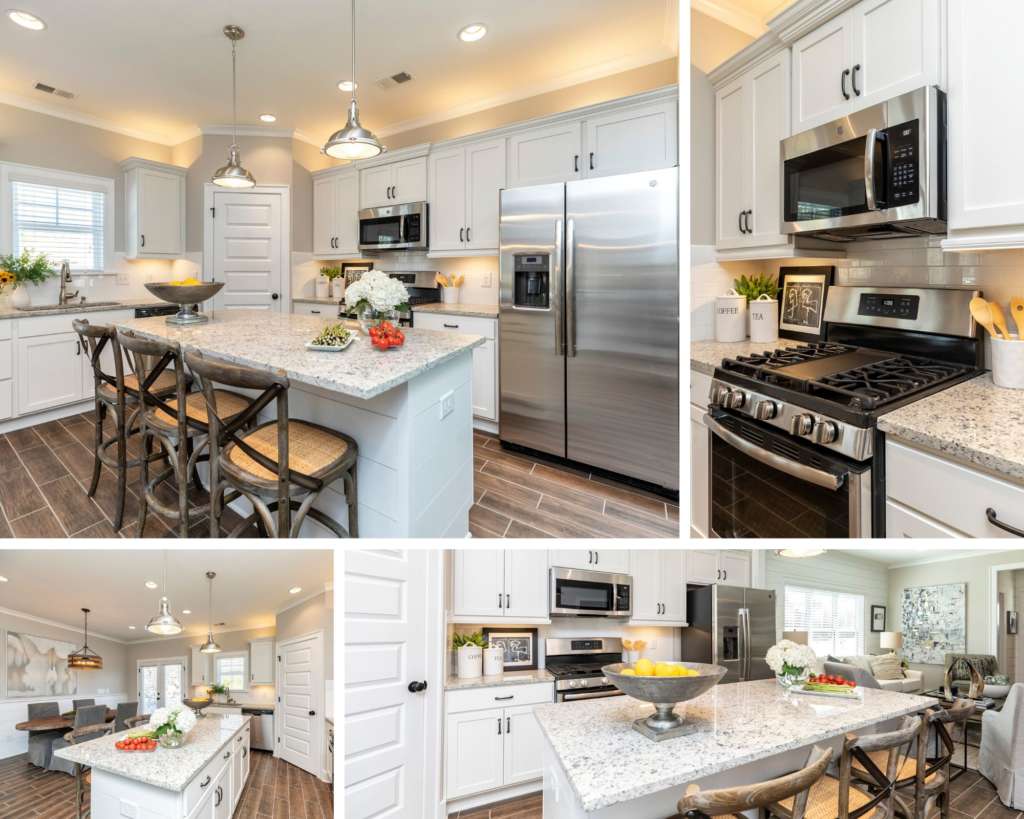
(368,317)
(172,739)
(791,677)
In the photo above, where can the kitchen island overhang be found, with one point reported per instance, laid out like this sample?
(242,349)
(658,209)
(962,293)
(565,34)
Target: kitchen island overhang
(409,410)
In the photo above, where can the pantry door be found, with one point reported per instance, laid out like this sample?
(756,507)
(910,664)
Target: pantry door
(161,683)
(300,685)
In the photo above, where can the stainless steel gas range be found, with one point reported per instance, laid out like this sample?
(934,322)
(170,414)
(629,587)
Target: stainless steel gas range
(576,666)
(795,451)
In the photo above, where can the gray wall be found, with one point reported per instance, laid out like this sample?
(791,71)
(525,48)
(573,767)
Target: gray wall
(702,159)
(315,614)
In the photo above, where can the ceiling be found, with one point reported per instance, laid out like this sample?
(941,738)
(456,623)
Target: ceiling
(249,588)
(919,554)
(160,69)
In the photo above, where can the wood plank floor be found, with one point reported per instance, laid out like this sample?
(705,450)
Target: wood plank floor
(523,807)
(275,790)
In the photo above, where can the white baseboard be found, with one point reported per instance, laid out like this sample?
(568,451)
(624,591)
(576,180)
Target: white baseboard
(485,426)
(47,415)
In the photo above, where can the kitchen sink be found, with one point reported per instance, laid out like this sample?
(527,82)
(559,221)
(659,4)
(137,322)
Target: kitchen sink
(37,308)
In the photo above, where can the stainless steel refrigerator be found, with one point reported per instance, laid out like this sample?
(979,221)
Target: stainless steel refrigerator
(589,324)
(731,627)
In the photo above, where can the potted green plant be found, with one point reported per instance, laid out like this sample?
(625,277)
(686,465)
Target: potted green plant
(469,650)
(761,292)
(22,270)
(335,283)
(218,692)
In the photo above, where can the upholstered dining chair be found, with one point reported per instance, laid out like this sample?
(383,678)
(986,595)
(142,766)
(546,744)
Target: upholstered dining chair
(125,710)
(76,704)
(1001,757)
(40,742)
(91,717)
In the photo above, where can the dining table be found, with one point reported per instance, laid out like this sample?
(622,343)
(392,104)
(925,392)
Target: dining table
(60,723)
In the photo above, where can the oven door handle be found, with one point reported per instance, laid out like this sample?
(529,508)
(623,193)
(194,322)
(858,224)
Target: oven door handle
(791,468)
(589,695)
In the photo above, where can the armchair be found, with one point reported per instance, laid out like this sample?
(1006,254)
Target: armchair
(958,671)
(1001,757)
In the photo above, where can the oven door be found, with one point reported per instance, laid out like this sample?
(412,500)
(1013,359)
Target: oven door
(765,484)
(576,591)
(588,694)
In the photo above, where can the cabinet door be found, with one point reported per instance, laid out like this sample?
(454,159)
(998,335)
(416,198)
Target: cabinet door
(485,171)
(702,566)
(160,196)
(672,573)
(50,369)
(222,807)
(346,215)
(485,398)
(478,587)
(735,568)
(542,155)
(473,750)
(199,671)
(732,161)
(769,124)
(324,204)
(645,567)
(572,558)
(639,139)
(819,60)
(448,199)
(236,775)
(409,180)
(699,463)
(526,583)
(524,746)
(261,662)
(375,187)
(612,560)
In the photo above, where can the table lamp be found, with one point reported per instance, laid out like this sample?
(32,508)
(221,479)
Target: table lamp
(892,640)
(798,637)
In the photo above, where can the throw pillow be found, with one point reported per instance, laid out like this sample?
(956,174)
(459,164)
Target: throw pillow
(997,679)
(862,661)
(886,667)
(831,659)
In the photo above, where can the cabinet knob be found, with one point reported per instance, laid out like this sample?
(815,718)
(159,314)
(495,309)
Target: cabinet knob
(415,687)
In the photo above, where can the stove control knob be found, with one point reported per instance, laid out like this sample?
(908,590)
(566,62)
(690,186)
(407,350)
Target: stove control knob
(765,409)
(825,432)
(718,393)
(802,424)
(735,399)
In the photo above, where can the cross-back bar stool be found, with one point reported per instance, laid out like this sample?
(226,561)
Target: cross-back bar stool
(178,422)
(117,393)
(280,466)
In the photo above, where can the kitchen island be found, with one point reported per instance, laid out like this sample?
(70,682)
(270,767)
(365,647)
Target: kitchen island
(596,766)
(409,410)
(203,778)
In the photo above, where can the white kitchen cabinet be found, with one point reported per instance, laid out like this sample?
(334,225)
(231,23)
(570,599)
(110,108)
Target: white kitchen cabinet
(659,586)
(526,584)
(702,566)
(700,486)
(154,209)
(901,522)
(728,568)
(485,357)
(336,214)
(603,560)
(393,183)
(734,568)
(199,668)
(500,583)
(644,567)
(523,749)
(630,140)
(485,177)
(820,59)
(465,182)
(733,135)
(375,186)
(304,308)
(261,662)
(549,153)
(447,198)
(473,749)
(50,369)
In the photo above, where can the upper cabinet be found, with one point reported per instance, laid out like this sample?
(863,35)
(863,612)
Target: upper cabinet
(492,583)
(598,560)
(659,586)
(545,154)
(728,568)
(336,214)
(465,183)
(154,210)
(261,662)
(393,183)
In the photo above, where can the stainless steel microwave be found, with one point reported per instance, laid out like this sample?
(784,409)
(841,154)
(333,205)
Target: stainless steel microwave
(878,173)
(590,594)
(394,227)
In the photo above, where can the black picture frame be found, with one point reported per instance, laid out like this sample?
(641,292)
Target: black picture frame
(803,293)
(516,636)
(1011,622)
(876,612)
(354,267)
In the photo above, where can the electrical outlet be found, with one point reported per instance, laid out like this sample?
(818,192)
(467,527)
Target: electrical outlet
(488,279)
(122,277)
(447,404)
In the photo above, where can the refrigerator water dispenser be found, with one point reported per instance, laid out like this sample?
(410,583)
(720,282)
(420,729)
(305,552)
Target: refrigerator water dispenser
(532,280)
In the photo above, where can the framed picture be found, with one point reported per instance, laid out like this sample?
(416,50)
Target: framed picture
(803,291)
(878,618)
(520,645)
(351,271)
(1011,622)
(38,666)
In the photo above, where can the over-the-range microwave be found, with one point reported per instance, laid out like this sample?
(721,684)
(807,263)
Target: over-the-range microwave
(590,594)
(878,173)
(394,227)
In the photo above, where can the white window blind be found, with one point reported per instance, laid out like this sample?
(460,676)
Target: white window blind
(230,670)
(62,222)
(834,621)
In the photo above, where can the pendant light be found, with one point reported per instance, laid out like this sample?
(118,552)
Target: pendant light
(85,658)
(233,175)
(210,647)
(164,624)
(353,141)
(800,551)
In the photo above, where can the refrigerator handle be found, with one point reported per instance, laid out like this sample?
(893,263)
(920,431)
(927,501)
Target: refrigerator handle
(570,287)
(744,647)
(556,289)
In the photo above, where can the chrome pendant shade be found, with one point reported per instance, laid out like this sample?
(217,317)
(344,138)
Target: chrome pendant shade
(85,658)
(353,141)
(233,175)
(210,646)
(165,624)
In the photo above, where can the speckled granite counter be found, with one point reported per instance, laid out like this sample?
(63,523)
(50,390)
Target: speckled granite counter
(706,355)
(508,678)
(276,341)
(478,310)
(168,768)
(971,423)
(607,762)
(7,312)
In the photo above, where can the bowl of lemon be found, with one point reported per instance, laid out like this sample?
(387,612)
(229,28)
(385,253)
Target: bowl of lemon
(664,685)
(187,294)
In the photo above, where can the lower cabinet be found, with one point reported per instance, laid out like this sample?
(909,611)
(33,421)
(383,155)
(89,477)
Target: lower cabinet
(303,308)
(485,357)
(700,480)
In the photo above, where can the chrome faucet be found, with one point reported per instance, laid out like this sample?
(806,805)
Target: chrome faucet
(65,280)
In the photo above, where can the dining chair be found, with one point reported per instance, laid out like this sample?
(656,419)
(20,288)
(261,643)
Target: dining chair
(1001,756)
(76,704)
(93,717)
(40,742)
(698,804)
(141,719)
(125,710)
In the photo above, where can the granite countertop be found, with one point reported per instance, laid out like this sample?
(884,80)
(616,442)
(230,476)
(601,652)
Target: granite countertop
(608,762)
(706,355)
(479,310)
(314,300)
(8,312)
(168,768)
(508,678)
(255,338)
(971,423)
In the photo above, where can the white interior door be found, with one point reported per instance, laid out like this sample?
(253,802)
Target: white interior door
(385,650)
(248,236)
(161,684)
(301,678)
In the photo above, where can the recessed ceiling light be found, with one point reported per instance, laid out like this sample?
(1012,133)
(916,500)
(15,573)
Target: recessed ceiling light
(186,611)
(131,628)
(473,32)
(150,584)
(26,20)
(268,118)
(3,579)
(294,589)
(347,85)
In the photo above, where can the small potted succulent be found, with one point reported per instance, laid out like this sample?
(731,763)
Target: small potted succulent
(171,724)
(469,650)
(22,270)
(761,292)
(335,282)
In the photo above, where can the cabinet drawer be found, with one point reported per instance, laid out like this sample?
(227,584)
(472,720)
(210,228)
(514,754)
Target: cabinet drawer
(6,359)
(5,329)
(468,325)
(203,782)
(322,310)
(6,400)
(901,522)
(950,494)
(475,699)
(50,325)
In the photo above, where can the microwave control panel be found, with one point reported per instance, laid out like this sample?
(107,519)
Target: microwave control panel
(904,163)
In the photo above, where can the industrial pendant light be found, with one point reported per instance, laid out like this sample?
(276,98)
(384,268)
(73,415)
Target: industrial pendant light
(800,551)
(210,647)
(85,658)
(164,624)
(233,175)
(353,141)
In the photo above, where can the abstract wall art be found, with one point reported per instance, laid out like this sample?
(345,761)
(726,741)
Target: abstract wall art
(934,622)
(38,666)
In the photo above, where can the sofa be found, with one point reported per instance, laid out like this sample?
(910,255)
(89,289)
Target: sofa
(912,682)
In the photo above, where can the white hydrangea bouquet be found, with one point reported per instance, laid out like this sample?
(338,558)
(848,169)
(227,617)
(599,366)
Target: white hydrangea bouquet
(375,295)
(171,724)
(791,662)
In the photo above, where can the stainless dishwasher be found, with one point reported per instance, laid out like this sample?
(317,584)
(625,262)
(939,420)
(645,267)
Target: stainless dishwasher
(261,728)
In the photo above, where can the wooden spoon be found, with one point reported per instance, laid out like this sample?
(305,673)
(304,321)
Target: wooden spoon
(999,320)
(1017,311)
(982,312)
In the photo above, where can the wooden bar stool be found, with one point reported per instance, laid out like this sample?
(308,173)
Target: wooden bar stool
(118,394)
(178,424)
(279,466)
(698,804)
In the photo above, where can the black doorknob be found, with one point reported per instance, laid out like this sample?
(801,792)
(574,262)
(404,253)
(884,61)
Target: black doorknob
(275,296)
(415,687)
(312,713)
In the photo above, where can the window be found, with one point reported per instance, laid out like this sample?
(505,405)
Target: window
(834,621)
(232,670)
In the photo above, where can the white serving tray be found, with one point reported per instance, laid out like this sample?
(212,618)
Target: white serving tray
(853,694)
(325,348)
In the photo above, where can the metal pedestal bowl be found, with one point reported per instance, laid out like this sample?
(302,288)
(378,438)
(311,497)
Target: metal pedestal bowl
(197,706)
(664,693)
(187,297)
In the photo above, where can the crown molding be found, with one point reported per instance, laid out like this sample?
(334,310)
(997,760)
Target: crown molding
(300,601)
(766,46)
(55,624)
(731,14)
(804,16)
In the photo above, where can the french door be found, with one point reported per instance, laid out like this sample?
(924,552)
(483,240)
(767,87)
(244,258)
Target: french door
(161,684)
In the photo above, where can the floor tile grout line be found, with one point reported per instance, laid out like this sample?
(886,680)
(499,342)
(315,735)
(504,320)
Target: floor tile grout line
(39,490)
